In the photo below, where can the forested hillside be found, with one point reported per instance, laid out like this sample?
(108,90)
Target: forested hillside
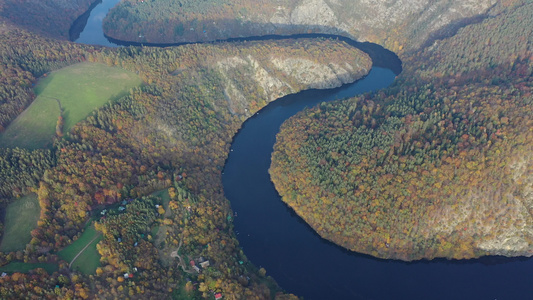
(440,165)
(172,134)
(398,25)
(49,18)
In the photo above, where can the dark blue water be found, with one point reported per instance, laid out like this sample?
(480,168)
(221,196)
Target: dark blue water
(91,32)
(273,237)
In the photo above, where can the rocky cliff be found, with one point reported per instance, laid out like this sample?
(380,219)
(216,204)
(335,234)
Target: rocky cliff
(278,75)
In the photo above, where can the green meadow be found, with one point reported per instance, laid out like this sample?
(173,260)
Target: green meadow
(78,90)
(83,250)
(21,218)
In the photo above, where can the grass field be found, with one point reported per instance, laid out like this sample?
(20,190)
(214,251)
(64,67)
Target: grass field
(89,259)
(21,267)
(21,218)
(80,88)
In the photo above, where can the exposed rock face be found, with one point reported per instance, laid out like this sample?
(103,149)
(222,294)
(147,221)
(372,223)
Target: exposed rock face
(319,76)
(278,76)
(313,12)
(515,240)
(392,22)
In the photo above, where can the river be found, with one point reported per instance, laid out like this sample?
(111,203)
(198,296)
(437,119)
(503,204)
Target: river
(273,237)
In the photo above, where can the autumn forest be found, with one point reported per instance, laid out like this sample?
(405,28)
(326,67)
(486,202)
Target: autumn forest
(127,201)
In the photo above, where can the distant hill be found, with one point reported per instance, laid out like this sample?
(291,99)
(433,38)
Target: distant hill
(49,18)
(397,24)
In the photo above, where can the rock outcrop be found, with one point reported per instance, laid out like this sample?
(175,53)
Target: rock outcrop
(277,75)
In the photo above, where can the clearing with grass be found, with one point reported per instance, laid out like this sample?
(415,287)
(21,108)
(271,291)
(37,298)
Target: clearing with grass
(82,254)
(21,218)
(72,92)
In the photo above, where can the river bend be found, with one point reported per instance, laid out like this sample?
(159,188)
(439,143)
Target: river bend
(274,237)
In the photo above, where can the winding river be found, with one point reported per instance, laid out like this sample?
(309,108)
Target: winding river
(273,237)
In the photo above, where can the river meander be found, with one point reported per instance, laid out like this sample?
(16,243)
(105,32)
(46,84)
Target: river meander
(273,237)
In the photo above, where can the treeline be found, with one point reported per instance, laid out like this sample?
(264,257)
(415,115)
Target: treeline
(427,167)
(23,58)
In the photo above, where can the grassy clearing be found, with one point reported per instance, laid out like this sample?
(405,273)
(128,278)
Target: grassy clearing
(21,267)
(80,88)
(21,218)
(89,259)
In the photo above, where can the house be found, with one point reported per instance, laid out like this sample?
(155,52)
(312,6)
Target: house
(204,264)
(192,263)
(196,269)
(218,296)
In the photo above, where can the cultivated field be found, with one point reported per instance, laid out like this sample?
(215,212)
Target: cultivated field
(77,90)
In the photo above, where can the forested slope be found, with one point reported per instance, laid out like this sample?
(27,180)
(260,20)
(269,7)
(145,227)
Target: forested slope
(174,132)
(50,18)
(439,165)
(397,24)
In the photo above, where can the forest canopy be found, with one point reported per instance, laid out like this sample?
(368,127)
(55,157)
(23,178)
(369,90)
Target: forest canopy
(439,165)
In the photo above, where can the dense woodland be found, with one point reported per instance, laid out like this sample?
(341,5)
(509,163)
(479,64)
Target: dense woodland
(21,170)
(439,165)
(173,132)
(43,16)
